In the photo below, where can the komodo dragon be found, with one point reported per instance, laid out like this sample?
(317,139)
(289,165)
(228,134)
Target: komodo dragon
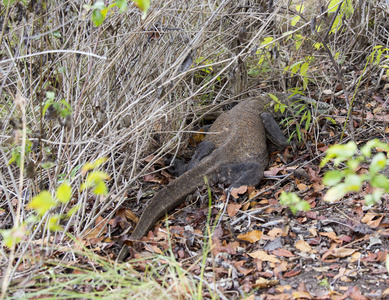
(234,152)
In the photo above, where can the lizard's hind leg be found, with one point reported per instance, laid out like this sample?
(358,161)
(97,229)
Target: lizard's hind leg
(204,149)
(238,174)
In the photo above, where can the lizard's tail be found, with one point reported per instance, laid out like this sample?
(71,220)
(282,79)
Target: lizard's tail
(175,193)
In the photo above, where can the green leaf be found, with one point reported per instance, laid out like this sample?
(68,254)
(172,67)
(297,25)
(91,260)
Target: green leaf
(331,120)
(90,166)
(104,12)
(53,223)
(6,2)
(96,180)
(300,8)
(295,20)
(13,236)
(303,206)
(335,193)
(376,143)
(47,104)
(99,5)
(304,68)
(47,164)
(317,46)
(73,210)
(100,188)
(308,121)
(340,152)
(353,182)
(50,95)
(97,17)
(143,5)
(67,111)
(64,192)
(97,176)
(332,177)
(57,34)
(333,6)
(380,181)
(336,24)
(378,163)
(353,164)
(294,202)
(295,67)
(42,203)
(274,98)
(373,198)
(122,4)
(267,41)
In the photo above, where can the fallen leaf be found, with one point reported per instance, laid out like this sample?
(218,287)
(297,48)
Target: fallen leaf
(153,178)
(263,283)
(371,219)
(273,171)
(276,232)
(303,246)
(332,235)
(338,252)
(232,209)
(301,295)
(252,236)
(292,273)
(302,187)
(131,216)
(235,192)
(354,293)
(153,249)
(313,231)
(94,234)
(283,252)
(318,187)
(355,256)
(263,256)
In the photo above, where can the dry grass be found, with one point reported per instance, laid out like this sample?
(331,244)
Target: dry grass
(131,100)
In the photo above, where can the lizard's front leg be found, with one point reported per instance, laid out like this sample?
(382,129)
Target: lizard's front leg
(273,131)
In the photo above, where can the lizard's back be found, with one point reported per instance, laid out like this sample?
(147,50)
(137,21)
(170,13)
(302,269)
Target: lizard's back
(240,133)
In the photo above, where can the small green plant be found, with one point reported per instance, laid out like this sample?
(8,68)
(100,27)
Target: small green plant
(45,202)
(348,179)
(62,108)
(13,1)
(16,153)
(299,109)
(294,202)
(100,10)
(264,54)
(206,74)
(300,67)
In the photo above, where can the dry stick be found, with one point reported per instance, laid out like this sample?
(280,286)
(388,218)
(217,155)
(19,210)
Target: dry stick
(20,101)
(1,41)
(5,22)
(86,79)
(340,76)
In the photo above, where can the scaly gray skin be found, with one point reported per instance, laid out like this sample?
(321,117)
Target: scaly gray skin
(235,153)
